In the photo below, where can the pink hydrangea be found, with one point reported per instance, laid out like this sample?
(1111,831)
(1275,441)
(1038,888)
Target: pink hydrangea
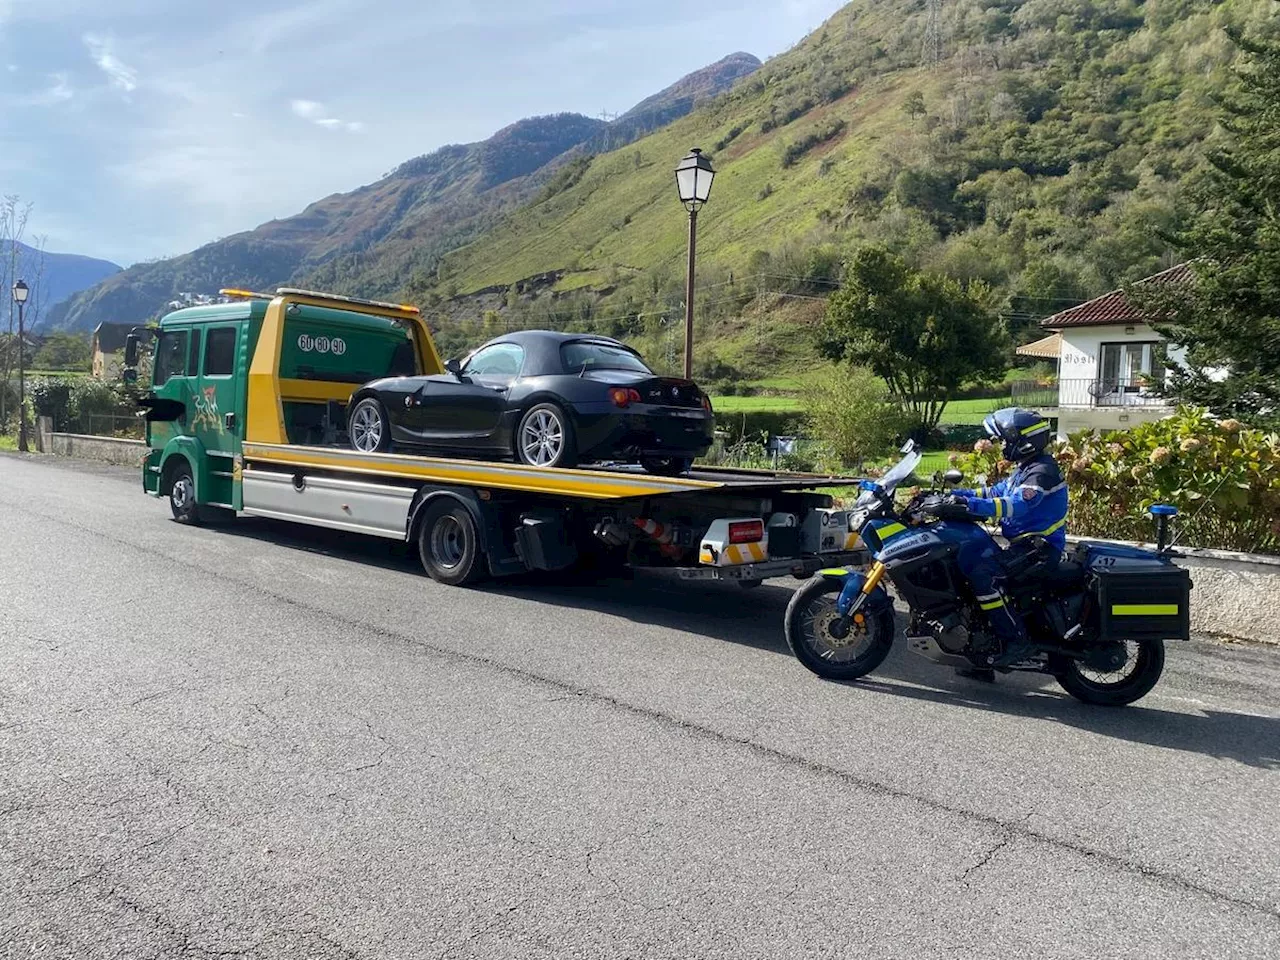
(1229,426)
(1161,455)
(1190,445)
(982,446)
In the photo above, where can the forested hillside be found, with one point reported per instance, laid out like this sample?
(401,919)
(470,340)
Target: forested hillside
(374,240)
(1041,147)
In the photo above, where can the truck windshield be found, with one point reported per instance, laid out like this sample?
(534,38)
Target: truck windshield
(577,354)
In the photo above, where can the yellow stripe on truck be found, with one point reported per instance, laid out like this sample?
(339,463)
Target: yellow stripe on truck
(1145,610)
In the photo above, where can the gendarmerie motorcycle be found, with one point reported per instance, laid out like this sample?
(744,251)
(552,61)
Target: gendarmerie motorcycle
(1097,619)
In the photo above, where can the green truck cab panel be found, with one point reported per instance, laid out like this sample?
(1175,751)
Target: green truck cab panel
(200,374)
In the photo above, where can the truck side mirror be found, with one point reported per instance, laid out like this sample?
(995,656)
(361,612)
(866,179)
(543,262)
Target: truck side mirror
(129,375)
(131,353)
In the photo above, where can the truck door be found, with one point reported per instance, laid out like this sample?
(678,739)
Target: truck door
(217,418)
(170,381)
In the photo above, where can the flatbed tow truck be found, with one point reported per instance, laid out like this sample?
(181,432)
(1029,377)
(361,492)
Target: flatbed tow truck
(246,416)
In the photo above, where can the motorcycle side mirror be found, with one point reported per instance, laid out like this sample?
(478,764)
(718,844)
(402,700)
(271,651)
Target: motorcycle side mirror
(952,477)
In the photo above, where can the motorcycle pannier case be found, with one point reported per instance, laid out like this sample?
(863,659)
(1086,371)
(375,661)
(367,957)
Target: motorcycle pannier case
(1140,597)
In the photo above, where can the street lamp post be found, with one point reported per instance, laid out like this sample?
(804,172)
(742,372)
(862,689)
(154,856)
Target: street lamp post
(20,294)
(693,179)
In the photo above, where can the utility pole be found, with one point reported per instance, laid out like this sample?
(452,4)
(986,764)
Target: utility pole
(932,54)
(20,293)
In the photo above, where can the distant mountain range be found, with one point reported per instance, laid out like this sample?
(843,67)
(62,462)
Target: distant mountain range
(379,238)
(53,277)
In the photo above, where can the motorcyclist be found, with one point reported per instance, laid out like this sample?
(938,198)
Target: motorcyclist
(1031,509)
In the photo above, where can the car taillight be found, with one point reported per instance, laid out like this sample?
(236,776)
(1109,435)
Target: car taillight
(706,403)
(624,397)
(747,531)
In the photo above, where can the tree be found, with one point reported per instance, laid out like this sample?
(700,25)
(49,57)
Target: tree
(914,106)
(923,334)
(849,412)
(1228,315)
(63,351)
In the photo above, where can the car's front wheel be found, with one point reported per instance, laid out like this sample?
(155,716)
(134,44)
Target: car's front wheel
(545,438)
(369,427)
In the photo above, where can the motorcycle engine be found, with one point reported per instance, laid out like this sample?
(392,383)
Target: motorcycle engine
(951,632)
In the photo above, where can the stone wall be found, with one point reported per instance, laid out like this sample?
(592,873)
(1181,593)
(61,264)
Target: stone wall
(127,453)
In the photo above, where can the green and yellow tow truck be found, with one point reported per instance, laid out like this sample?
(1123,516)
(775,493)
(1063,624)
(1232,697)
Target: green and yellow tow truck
(246,416)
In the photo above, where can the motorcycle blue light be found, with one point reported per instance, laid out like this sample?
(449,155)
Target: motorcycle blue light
(867,485)
(1163,510)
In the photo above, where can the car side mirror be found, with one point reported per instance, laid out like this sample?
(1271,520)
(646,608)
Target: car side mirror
(454,367)
(953,477)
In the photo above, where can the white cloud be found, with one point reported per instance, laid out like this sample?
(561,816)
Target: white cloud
(314,111)
(58,91)
(306,109)
(122,76)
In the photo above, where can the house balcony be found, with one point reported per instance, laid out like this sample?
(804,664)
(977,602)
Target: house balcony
(1110,393)
(1140,392)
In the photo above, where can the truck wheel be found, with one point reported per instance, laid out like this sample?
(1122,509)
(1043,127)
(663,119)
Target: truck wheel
(1131,679)
(368,427)
(449,544)
(545,438)
(863,647)
(182,494)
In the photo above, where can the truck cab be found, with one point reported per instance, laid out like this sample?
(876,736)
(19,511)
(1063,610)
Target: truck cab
(212,388)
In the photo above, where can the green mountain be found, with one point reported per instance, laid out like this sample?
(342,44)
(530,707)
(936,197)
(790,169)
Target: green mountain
(376,239)
(1040,147)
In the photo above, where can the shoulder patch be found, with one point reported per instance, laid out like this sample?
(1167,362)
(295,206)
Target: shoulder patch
(1029,493)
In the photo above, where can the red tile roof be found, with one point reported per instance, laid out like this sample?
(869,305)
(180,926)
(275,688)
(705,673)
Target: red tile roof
(1113,307)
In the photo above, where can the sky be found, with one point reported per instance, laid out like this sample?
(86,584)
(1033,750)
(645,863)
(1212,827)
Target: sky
(145,128)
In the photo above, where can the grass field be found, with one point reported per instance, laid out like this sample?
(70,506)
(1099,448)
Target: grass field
(755,404)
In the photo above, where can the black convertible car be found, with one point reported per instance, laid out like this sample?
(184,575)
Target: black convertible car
(547,399)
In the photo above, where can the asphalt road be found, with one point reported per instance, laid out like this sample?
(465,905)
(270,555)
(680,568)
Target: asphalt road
(261,741)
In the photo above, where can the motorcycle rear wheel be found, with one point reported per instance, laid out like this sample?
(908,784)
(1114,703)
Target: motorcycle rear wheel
(809,615)
(1116,689)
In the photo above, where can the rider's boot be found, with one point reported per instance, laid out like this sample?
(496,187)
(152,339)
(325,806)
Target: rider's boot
(1008,627)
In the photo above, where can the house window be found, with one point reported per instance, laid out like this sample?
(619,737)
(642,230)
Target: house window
(1128,367)
(170,357)
(220,352)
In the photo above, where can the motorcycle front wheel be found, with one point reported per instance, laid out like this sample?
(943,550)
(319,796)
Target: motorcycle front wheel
(812,613)
(1127,682)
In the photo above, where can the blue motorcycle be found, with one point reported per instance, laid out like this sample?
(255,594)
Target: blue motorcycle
(1097,618)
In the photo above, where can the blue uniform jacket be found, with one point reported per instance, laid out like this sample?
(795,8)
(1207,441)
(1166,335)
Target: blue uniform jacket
(1032,501)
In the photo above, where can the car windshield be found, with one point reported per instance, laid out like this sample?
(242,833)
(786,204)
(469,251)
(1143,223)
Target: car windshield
(578,354)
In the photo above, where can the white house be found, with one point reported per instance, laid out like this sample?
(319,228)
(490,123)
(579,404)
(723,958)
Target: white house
(1110,362)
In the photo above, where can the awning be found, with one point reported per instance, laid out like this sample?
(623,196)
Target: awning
(1049,348)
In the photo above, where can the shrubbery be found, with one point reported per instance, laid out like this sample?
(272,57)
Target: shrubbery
(1223,478)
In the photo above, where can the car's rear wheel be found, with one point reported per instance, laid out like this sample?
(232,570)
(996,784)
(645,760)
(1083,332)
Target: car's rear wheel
(666,466)
(369,427)
(545,438)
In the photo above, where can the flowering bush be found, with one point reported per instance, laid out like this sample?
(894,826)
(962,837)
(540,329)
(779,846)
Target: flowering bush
(1223,478)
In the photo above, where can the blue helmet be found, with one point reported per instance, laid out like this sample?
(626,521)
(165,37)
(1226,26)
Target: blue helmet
(1024,433)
